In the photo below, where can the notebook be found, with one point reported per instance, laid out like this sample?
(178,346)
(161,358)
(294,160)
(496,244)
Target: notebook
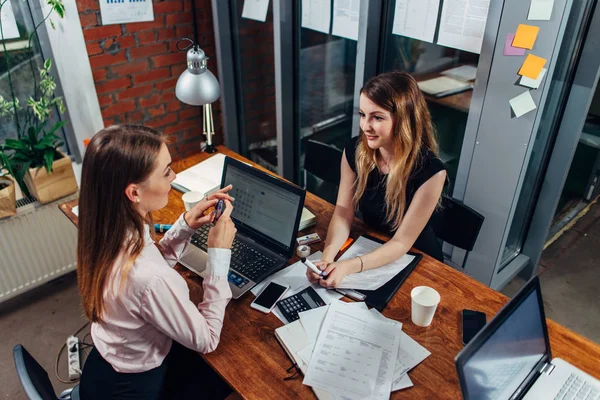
(443,86)
(204,177)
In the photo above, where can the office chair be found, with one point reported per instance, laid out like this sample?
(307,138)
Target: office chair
(35,379)
(457,224)
(322,161)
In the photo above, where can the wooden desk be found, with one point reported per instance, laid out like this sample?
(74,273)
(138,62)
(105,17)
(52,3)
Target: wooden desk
(252,362)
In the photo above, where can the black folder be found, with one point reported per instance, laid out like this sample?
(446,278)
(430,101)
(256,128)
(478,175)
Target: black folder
(379,298)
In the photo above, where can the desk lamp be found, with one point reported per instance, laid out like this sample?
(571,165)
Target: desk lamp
(197,86)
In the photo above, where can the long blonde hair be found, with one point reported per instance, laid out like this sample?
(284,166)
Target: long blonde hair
(412,131)
(110,228)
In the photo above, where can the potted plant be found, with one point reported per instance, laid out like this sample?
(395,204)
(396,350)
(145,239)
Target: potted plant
(34,157)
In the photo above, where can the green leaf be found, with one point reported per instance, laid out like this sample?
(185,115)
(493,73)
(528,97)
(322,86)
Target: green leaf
(32,135)
(15,144)
(57,126)
(20,172)
(49,159)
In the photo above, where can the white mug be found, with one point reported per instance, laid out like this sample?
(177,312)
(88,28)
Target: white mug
(190,199)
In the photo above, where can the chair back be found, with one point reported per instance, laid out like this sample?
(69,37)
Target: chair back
(33,377)
(323,161)
(457,223)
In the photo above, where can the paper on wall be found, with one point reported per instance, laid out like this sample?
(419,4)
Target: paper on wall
(525,36)
(9,22)
(345,18)
(522,104)
(540,10)
(509,50)
(533,83)
(532,66)
(316,15)
(255,9)
(121,12)
(463,24)
(416,18)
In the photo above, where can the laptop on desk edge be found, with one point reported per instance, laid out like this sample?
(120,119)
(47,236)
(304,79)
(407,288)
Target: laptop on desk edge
(510,358)
(266,213)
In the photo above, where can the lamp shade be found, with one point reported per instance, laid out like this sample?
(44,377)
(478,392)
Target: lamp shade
(197,85)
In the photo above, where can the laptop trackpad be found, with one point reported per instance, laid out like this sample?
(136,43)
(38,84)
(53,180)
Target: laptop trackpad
(195,260)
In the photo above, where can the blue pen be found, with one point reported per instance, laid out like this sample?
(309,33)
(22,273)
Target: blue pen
(162,228)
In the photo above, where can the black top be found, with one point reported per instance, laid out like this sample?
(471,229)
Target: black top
(372,204)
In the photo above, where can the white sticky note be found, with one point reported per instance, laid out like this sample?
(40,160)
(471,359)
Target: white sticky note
(256,10)
(533,83)
(316,15)
(540,10)
(522,104)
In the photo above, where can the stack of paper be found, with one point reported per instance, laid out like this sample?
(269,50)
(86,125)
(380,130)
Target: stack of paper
(347,351)
(204,177)
(443,86)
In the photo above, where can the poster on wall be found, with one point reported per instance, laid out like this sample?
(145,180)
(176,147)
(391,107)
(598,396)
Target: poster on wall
(316,15)
(256,10)
(126,11)
(9,22)
(345,18)
(416,19)
(463,24)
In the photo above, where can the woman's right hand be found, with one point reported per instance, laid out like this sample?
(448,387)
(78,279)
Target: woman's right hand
(221,235)
(313,277)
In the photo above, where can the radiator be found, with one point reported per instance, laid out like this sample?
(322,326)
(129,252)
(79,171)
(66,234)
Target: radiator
(37,245)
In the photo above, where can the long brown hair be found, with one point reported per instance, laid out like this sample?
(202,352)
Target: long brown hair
(110,227)
(412,131)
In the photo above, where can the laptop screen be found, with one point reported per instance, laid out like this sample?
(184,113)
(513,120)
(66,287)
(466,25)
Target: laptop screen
(507,356)
(268,206)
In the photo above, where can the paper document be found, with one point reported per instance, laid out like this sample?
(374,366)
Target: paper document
(416,18)
(9,22)
(204,177)
(312,319)
(354,355)
(255,9)
(522,104)
(526,36)
(121,12)
(371,279)
(345,18)
(463,73)
(540,10)
(509,50)
(463,24)
(532,66)
(75,210)
(316,15)
(533,83)
(443,86)
(402,383)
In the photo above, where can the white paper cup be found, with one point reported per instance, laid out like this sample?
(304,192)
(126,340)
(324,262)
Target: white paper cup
(191,198)
(424,303)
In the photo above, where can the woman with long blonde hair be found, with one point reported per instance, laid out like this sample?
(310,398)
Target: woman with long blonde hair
(146,330)
(391,173)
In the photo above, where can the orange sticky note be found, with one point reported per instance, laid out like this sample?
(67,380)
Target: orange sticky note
(525,36)
(532,66)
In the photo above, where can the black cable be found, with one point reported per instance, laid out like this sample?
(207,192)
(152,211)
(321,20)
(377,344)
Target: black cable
(195,22)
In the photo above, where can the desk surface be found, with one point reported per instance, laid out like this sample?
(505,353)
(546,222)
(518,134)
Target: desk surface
(250,359)
(459,101)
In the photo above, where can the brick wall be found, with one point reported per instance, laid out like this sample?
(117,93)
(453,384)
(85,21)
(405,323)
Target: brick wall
(135,68)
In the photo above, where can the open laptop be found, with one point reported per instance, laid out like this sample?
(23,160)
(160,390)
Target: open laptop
(510,357)
(266,213)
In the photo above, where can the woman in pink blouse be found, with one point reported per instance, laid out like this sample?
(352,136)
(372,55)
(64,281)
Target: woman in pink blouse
(145,328)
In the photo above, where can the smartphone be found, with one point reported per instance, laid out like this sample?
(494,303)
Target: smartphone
(268,297)
(472,322)
(219,208)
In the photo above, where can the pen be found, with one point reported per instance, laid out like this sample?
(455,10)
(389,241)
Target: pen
(312,266)
(161,228)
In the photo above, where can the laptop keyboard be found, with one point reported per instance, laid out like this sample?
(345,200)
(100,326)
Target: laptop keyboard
(244,259)
(576,388)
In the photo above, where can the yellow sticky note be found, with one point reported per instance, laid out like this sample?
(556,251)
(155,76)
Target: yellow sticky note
(525,36)
(532,66)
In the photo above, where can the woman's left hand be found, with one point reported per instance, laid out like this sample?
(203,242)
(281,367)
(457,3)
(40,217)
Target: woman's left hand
(337,271)
(195,217)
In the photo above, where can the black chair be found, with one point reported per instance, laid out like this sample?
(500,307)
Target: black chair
(35,379)
(322,161)
(457,224)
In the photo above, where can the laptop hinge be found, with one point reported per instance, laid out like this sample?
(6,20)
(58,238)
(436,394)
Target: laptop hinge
(547,369)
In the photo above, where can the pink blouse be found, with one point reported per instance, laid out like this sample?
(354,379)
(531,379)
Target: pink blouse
(153,307)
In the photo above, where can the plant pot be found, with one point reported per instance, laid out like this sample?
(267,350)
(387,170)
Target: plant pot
(48,187)
(8,199)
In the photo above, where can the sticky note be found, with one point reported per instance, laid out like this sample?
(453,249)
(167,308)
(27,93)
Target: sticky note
(540,10)
(509,50)
(522,104)
(525,36)
(532,66)
(533,83)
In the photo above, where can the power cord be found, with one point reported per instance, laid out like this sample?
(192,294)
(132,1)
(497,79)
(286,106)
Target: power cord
(61,350)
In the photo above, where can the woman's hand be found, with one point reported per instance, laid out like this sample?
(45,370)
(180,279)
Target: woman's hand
(336,272)
(313,277)
(196,218)
(221,235)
